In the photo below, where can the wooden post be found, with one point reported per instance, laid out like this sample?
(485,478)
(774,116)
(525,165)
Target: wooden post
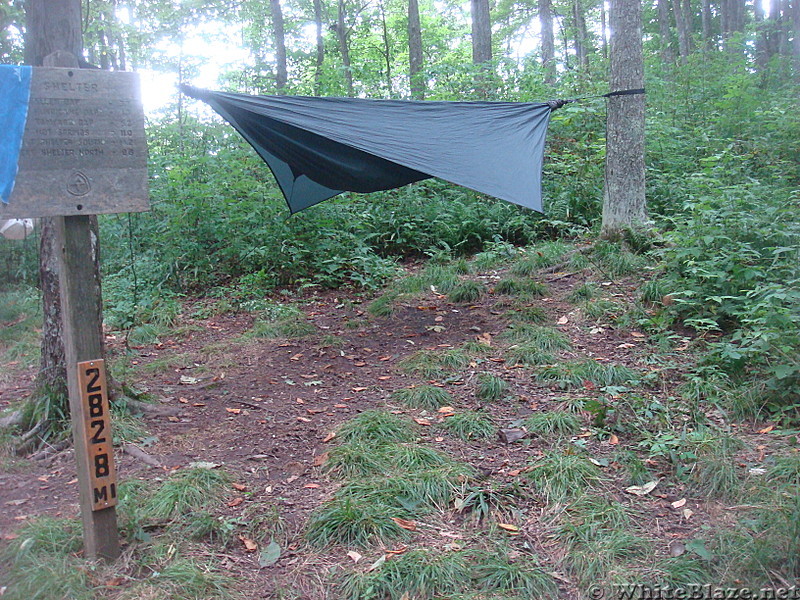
(81,309)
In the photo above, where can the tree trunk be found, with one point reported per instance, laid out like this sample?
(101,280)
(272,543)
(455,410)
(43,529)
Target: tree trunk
(344,48)
(54,25)
(548,40)
(624,194)
(415,58)
(281,74)
(604,29)
(581,35)
(706,16)
(796,34)
(665,31)
(320,47)
(682,28)
(481,32)
(387,52)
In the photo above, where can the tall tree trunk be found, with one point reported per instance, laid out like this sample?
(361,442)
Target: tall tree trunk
(796,34)
(387,52)
(581,35)
(415,57)
(281,72)
(665,31)
(682,28)
(344,47)
(624,194)
(481,32)
(481,42)
(53,25)
(762,35)
(706,16)
(604,29)
(548,40)
(320,47)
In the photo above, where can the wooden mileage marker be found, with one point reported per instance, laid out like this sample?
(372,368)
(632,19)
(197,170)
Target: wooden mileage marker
(97,431)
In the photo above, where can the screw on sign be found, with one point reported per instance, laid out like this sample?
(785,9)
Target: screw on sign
(94,399)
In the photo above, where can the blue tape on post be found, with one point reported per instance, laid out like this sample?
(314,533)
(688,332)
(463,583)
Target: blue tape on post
(15,89)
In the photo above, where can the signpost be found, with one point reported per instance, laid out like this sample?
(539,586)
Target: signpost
(83,153)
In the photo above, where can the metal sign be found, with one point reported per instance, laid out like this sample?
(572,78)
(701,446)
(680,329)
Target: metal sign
(84,149)
(98,446)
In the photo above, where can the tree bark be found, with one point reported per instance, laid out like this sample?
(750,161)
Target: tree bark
(548,40)
(415,57)
(281,72)
(387,51)
(54,25)
(344,47)
(624,194)
(796,34)
(320,47)
(682,27)
(581,35)
(481,32)
(665,31)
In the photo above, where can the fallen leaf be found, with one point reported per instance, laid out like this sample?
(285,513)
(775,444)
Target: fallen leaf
(439,439)
(115,582)
(239,487)
(511,435)
(484,338)
(249,545)
(355,556)
(409,525)
(340,406)
(563,320)
(508,527)
(183,401)
(297,356)
(320,459)
(385,358)
(186,380)
(269,555)
(687,513)
(201,464)
(384,377)
(315,411)
(636,334)
(19,502)
(643,490)
(767,429)
(446,410)
(173,419)
(627,345)
(311,486)
(329,437)
(359,389)
(676,549)
(613,440)
(235,502)
(377,564)
(678,503)
(234,411)
(198,404)
(422,421)
(360,364)
(304,419)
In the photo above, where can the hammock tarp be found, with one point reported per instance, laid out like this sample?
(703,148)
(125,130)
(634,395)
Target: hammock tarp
(319,147)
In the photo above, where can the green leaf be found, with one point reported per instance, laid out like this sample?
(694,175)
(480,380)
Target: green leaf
(269,555)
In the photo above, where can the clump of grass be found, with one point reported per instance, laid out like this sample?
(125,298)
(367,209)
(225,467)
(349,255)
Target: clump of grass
(525,575)
(553,422)
(353,460)
(495,255)
(484,501)
(428,397)
(558,475)
(539,257)
(573,374)
(410,492)
(714,473)
(432,364)
(545,339)
(534,315)
(383,306)
(786,470)
(417,573)
(583,292)
(353,521)
(185,492)
(591,515)
(376,426)
(476,349)
(490,387)
(181,577)
(596,310)
(442,278)
(615,260)
(469,425)
(529,355)
(467,291)
(281,321)
(597,556)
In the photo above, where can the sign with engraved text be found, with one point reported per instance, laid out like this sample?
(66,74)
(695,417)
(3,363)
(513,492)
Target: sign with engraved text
(97,421)
(84,149)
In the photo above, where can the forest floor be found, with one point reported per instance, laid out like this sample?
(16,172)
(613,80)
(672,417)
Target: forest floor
(610,481)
